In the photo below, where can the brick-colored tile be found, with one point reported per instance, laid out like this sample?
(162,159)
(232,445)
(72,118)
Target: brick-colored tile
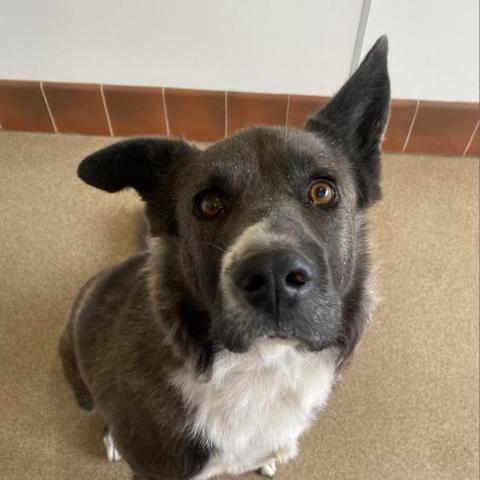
(249,109)
(401,117)
(302,106)
(77,108)
(196,114)
(474,147)
(22,107)
(135,110)
(443,127)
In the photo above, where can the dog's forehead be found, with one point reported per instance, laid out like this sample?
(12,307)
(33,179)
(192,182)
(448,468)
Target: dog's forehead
(267,149)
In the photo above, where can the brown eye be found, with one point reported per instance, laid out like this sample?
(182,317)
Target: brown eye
(321,193)
(210,204)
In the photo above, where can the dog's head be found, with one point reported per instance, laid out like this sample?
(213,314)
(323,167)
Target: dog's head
(265,226)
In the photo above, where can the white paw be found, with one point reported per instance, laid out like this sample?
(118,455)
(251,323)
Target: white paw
(269,469)
(112,453)
(288,452)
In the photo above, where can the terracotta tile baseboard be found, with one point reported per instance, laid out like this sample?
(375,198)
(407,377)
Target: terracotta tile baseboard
(450,128)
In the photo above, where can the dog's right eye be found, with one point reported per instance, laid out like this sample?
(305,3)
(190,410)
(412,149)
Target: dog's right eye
(322,192)
(209,204)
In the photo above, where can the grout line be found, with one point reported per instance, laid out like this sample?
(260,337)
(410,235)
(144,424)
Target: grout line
(54,125)
(226,114)
(471,138)
(165,112)
(106,111)
(360,38)
(411,126)
(288,111)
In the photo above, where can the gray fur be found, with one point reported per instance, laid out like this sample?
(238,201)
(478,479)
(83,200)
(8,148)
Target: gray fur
(165,308)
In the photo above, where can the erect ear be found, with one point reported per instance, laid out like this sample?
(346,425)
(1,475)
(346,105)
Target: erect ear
(357,116)
(145,164)
(140,163)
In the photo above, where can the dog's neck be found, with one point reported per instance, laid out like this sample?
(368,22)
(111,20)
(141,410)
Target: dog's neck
(185,324)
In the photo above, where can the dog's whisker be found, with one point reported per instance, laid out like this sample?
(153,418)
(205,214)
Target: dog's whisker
(211,244)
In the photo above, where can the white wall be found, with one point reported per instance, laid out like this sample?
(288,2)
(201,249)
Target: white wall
(293,46)
(302,46)
(434,47)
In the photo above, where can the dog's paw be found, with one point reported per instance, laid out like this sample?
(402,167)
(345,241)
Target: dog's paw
(112,452)
(288,452)
(269,469)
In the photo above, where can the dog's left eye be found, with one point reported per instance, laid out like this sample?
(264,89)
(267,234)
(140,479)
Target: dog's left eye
(209,204)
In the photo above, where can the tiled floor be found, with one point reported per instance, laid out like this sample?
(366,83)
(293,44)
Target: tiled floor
(406,409)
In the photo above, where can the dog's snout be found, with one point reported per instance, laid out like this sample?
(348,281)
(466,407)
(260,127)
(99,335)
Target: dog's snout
(274,281)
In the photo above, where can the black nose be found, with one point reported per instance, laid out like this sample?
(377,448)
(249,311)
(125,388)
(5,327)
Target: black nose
(271,282)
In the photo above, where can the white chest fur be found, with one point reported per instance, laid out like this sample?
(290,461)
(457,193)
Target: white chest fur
(256,404)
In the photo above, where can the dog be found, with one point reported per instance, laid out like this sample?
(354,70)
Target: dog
(212,350)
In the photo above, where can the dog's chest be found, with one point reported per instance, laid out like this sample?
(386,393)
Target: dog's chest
(258,402)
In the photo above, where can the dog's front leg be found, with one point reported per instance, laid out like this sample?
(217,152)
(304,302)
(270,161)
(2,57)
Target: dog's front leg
(288,452)
(269,469)
(112,452)
(283,455)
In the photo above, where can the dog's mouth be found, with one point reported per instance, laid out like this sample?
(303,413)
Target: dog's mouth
(238,332)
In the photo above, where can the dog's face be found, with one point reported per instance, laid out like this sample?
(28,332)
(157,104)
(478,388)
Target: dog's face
(267,224)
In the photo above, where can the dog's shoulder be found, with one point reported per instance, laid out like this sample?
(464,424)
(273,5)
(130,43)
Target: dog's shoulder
(125,354)
(105,293)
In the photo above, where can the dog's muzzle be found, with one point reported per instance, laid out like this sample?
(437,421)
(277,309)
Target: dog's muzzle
(274,283)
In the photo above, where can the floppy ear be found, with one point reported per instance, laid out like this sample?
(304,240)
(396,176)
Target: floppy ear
(357,116)
(145,164)
(139,163)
